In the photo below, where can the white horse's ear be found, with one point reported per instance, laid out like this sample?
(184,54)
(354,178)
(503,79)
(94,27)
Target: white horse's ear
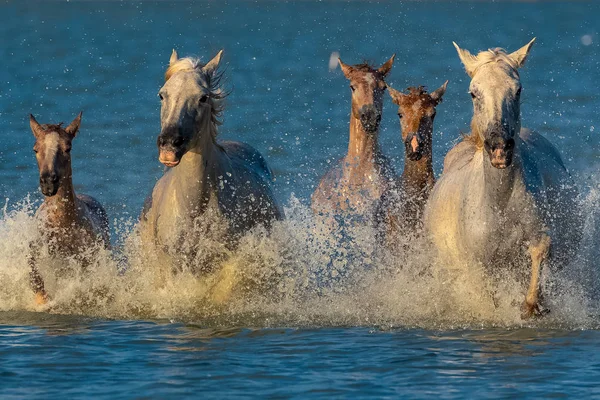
(387,66)
(74,125)
(346,69)
(396,95)
(437,94)
(520,55)
(468,59)
(213,64)
(36,128)
(173,58)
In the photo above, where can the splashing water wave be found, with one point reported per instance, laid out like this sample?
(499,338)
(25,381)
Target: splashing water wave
(299,274)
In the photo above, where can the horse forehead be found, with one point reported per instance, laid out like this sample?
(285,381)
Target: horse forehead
(51,142)
(496,75)
(186,82)
(418,105)
(368,79)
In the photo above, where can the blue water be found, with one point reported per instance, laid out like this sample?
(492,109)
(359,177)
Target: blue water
(382,338)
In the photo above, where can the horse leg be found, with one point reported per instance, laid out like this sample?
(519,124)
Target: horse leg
(226,281)
(36,281)
(539,253)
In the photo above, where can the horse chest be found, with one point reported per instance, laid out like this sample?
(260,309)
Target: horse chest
(179,210)
(360,189)
(69,238)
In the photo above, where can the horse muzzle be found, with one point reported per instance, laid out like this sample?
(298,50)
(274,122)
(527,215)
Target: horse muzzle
(413,147)
(169,157)
(49,185)
(500,152)
(171,147)
(370,118)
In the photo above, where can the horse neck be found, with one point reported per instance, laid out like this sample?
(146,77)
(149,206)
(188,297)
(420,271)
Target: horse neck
(418,175)
(196,165)
(363,147)
(62,206)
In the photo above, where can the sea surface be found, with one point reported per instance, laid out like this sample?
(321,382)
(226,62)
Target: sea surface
(335,319)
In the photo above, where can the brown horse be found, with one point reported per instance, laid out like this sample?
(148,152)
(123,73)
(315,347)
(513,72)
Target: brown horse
(356,183)
(70,222)
(403,205)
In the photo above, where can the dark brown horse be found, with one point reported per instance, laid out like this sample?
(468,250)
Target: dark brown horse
(403,205)
(70,222)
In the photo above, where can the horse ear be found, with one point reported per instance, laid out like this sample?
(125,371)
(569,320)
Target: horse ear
(173,58)
(437,94)
(387,67)
(213,64)
(468,59)
(74,125)
(36,128)
(396,95)
(520,55)
(346,69)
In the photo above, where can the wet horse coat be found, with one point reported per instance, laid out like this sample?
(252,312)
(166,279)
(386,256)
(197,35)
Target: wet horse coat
(70,222)
(504,194)
(355,184)
(401,210)
(228,181)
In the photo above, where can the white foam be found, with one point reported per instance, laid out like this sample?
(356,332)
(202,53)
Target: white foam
(297,275)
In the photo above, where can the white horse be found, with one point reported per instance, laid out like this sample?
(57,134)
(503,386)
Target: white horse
(504,192)
(228,180)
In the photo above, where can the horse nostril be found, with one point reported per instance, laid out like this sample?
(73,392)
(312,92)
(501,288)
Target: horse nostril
(178,142)
(54,178)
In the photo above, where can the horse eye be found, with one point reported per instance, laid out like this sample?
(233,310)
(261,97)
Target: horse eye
(399,115)
(35,151)
(472,95)
(160,96)
(203,99)
(519,91)
(352,88)
(68,150)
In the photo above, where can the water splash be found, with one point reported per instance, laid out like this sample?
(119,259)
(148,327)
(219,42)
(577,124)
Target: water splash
(299,274)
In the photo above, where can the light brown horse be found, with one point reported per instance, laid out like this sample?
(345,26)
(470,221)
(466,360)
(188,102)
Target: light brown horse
(403,205)
(70,222)
(356,183)
(230,182)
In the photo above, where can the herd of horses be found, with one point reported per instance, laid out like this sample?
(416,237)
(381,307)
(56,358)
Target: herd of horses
(503,200)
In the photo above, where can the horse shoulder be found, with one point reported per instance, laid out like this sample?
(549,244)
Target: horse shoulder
(98,216)
(459,156)
(323,196)
(244,182)
(542,146)
(553,192)
(248,156)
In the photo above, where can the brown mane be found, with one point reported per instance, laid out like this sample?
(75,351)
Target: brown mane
(364,67)
(417,90)
(53,127)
